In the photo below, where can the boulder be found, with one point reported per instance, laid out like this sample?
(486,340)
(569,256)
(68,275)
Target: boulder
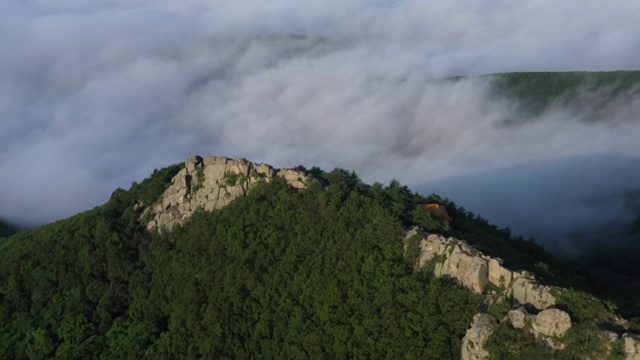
(477,335)
(295,178)
(552,322)
(631,343)
(550,325)
(526,290)
(518,317)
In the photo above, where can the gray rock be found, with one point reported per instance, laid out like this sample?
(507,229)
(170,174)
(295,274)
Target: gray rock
(526,290)
(204,183)
(518,317)
(551,325)
(631,346)
(477,335)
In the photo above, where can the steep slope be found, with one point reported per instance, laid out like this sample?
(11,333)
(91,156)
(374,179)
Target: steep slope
(291,268)
(519,305)
(592,93)
(279,273)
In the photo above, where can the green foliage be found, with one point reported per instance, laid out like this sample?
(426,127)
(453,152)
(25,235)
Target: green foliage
(233,179)
(583,342)
(583,307)
(199,179)
(318,173)
(507,343)
(617,353)
(319,273)
(634,325)
(276,274)
(611,270)
(152,187)
(426,220)
(537,91)
(499,309)
(412,248)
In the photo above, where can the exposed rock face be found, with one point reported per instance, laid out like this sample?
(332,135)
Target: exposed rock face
(526,290)
(518,317)
(551,324)
(477,335)
(499,275)
(456,258)
(464,264)
(631,346)
(211,183)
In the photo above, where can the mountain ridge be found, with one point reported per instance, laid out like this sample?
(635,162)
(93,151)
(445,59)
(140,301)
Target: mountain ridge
(289,258)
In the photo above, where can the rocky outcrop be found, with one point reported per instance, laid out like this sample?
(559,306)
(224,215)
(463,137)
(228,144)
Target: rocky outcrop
(465,265)
(551,325)
(477,335)
(211,183)
(519,317)
(631,346)
(527,291)
(548,326)
(533,304)
(476,271)
(459,260)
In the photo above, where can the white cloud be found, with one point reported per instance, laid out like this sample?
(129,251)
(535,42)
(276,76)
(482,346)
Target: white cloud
(94,96)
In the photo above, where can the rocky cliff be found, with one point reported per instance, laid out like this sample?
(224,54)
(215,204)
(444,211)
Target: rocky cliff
(211,183)
(457,259)
(532,303)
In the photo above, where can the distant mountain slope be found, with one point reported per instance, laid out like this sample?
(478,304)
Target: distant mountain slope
(6,229)
(589,91)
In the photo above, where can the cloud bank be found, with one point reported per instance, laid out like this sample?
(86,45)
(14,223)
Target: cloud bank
(95,95)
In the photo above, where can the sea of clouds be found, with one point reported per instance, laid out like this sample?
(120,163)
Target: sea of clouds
(95,95)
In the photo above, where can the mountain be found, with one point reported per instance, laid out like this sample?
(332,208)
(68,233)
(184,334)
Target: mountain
(225,258)
(6,229)
(590,92)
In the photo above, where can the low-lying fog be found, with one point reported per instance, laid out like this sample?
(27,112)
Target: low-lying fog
(96,95)
(566,204)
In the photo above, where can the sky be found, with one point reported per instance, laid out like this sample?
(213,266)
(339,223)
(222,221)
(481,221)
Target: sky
(95,95)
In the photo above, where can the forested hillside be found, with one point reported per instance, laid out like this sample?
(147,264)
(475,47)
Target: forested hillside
(279,273)
(586,91)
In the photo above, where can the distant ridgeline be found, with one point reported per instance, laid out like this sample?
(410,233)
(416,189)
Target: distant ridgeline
(224,258)
(592,92)
(6,229)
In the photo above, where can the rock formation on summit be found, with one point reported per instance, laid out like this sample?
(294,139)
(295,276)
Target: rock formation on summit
(211,183)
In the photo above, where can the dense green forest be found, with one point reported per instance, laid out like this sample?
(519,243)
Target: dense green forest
(587,91)
(279,273)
